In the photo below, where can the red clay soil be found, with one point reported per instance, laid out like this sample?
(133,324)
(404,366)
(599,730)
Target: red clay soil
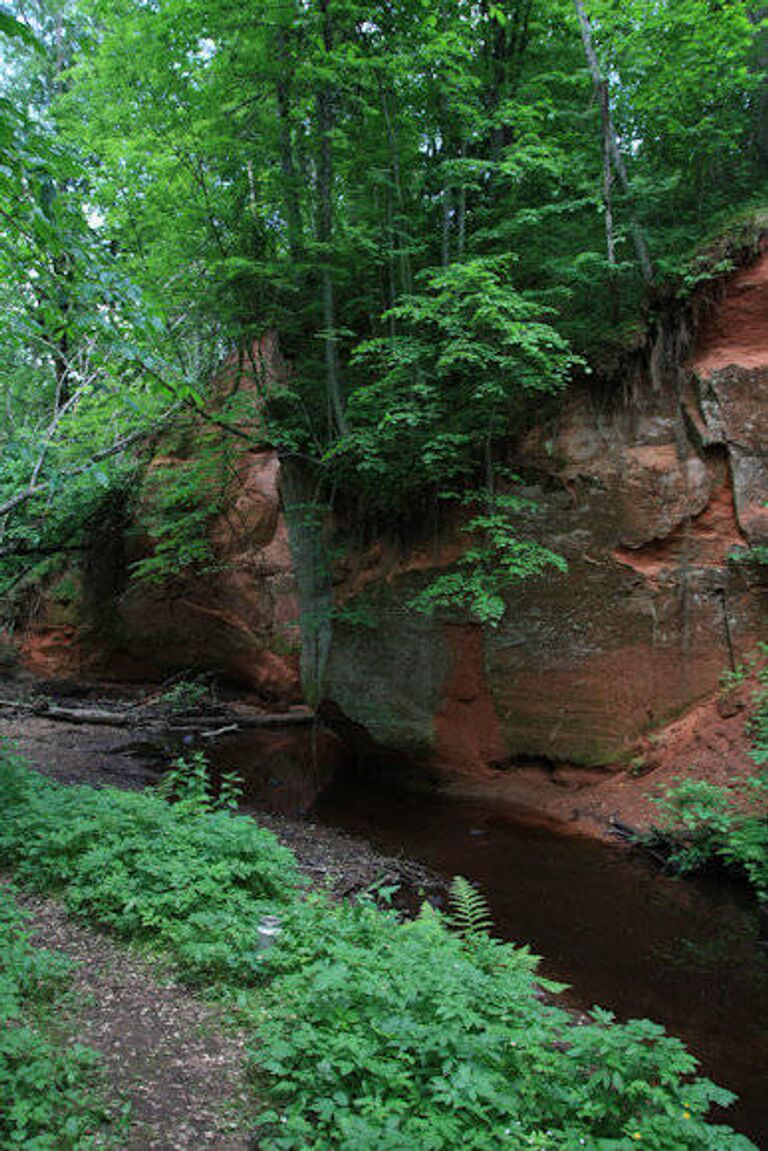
(708,742)
(737,330)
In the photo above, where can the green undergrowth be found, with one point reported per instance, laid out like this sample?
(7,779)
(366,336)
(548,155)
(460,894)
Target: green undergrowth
(187,878)
(369,1033)
(50,1089)
(704,823)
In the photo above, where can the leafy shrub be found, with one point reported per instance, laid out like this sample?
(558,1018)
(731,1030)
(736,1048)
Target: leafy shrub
(187,695)
(187,878)
(496,562)
(181,497)
(189,783)
(49,1092)
(758,724)
(702,822)
(398,1036)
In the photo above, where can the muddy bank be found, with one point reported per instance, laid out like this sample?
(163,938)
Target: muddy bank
(105,734)
(99,756)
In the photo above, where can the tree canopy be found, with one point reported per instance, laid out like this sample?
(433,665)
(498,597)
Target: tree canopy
(443,208)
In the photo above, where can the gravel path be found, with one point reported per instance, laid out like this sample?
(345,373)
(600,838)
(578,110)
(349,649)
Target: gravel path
(160,1047)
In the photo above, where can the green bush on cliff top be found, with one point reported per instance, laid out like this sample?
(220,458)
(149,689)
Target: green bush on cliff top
(370,1033)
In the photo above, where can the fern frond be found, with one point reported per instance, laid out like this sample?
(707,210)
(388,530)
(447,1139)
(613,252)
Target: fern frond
(470,914)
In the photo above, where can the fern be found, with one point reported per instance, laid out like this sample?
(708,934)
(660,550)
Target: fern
(470,914)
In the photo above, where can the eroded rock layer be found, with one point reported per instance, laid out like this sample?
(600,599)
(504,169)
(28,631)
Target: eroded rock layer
(648,498)
(649,501)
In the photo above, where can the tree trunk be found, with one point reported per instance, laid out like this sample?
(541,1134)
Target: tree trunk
(325,120)
(447,197)
(607,175)
(406,274)
(761,66)
(287,165)
(461,212)
(612,142)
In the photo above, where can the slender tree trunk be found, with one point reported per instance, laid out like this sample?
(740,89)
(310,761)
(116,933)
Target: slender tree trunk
(607,175)
(610,239)
(611,139)
(403,239)
(761,66)
(62,355)
(287,164)
(251,185)
(461,212)
(447,198)
(59,52)
(325,119)
(390,242)
(61,370)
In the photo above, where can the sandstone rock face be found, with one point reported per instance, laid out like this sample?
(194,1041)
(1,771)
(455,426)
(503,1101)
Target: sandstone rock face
(731,368)
(647,500)
(240,620)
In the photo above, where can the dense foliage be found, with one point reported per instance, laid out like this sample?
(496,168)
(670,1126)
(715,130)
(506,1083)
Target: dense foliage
(702,822)
(368,1031)
(441,209)
(191,879)
(50,1091)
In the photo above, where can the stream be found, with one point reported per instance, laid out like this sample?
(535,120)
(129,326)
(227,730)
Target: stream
(690,954)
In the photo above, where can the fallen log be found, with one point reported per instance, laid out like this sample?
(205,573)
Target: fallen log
(103,717)
(269,719)
(97,717)
(217,731)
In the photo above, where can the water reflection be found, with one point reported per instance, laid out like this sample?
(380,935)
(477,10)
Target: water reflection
(687,954)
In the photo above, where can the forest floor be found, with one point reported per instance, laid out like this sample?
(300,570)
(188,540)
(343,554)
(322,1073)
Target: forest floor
(171,1055)
(167,1052)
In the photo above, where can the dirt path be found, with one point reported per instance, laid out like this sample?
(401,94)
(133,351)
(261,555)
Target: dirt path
(161,1048)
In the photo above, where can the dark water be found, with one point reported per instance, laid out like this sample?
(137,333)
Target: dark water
(688,954)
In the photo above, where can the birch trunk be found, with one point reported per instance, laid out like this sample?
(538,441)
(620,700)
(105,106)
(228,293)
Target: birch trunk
(325,118)
(612,142)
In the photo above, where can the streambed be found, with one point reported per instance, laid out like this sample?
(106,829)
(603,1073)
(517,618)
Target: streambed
(690,954)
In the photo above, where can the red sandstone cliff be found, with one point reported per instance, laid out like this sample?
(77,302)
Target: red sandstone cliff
(647,495)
